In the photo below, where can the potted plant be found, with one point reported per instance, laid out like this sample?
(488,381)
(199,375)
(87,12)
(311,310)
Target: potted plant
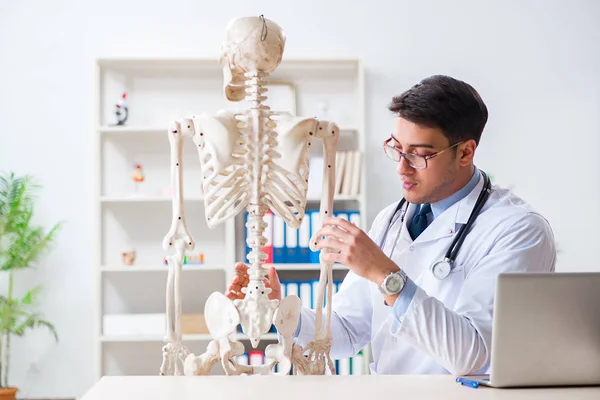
(21,246)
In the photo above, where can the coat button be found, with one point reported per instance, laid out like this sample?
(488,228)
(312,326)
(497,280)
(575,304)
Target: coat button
(411,248)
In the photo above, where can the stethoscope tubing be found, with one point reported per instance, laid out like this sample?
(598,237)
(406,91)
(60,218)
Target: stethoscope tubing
(456,244)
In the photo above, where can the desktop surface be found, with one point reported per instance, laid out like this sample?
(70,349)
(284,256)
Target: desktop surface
(363,387)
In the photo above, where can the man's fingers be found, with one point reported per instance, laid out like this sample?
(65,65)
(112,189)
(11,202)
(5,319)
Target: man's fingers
(235,295)
(241,269)
(332,244)
(241,266)
(241,278)
(334,232)
(274,283)
(236,287)
(342,223)
(274,279)
(232,295)
(333,257)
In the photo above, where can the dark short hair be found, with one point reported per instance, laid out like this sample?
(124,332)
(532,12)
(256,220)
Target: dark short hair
(446,103)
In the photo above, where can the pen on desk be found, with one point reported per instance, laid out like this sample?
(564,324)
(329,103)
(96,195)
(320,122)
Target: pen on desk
(467,382)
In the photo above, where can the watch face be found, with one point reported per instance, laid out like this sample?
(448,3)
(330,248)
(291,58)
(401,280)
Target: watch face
(394,283)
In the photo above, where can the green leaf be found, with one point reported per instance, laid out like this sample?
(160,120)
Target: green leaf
(31,322)
(50,327)
(30,296)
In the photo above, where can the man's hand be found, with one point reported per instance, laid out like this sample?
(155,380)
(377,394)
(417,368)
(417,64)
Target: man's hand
(353,248)
(242,279)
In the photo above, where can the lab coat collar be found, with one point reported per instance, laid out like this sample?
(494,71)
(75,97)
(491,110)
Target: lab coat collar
(450,220)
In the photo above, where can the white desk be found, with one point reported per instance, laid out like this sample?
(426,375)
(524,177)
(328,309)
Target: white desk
(364,387)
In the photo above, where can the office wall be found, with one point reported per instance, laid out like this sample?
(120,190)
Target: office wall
(536,64)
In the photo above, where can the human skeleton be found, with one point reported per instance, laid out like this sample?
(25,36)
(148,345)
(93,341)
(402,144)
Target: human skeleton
(254,160)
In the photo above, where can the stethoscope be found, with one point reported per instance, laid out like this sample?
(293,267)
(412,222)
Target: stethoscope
(441,269)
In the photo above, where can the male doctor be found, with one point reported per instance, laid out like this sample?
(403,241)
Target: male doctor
(418,323)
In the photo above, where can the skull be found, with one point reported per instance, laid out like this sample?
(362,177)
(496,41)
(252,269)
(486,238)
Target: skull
(253,44)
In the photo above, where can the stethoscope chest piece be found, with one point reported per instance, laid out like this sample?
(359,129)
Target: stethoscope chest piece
(441,269)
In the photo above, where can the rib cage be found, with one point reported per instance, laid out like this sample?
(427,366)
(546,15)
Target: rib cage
(222,152)
(227,172)
(287,187)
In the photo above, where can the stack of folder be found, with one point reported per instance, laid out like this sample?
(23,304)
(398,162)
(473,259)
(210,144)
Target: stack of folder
(286,245)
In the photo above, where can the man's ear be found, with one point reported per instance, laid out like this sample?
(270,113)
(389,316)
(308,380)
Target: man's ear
(466,152)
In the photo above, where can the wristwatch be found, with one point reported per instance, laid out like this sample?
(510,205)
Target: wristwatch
(393,283)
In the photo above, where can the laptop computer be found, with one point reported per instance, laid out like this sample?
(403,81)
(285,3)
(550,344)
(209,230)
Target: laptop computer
(546,331)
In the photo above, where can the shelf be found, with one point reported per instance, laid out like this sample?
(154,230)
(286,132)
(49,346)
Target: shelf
(128,131)
(210,68)
(162,199)
(145,199)
(202,337)
(304,267)
(339,197)
(165,268)
(203,62)
(216,267)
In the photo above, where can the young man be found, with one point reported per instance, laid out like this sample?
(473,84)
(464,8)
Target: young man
(421,317)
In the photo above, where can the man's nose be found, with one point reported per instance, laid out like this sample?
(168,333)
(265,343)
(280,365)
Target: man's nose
(403,167)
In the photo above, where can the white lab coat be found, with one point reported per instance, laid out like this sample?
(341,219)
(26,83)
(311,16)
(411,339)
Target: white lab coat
(448,325)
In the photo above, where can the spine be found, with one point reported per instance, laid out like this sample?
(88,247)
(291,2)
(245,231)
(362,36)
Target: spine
(257,155)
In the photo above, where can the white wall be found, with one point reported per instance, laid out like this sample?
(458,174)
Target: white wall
(536,64)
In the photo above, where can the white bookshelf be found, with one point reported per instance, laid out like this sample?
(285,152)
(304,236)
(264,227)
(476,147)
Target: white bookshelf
(159,91)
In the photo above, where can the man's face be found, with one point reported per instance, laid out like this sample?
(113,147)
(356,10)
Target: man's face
(438,180)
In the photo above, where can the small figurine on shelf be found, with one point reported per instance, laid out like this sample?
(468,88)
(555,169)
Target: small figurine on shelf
(138,176)
(128,256)
(121,111)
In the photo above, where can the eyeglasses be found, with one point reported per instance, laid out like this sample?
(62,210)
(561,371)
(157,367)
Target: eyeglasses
(416,161)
